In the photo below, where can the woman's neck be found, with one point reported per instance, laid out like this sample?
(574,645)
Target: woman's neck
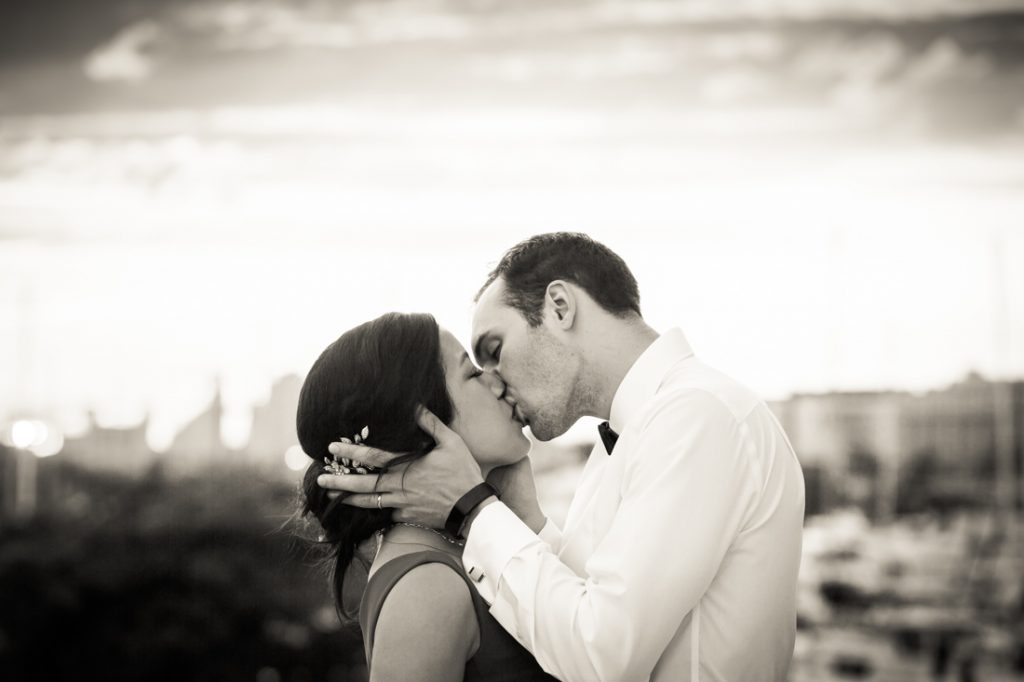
(404,538)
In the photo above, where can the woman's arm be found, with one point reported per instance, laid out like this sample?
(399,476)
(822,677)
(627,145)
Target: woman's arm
(427,628)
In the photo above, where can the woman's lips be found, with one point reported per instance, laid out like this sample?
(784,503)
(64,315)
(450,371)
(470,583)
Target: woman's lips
(517,415)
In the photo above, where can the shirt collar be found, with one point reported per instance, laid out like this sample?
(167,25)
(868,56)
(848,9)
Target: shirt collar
(645,376)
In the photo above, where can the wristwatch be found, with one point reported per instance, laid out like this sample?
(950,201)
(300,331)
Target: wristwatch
(465,506)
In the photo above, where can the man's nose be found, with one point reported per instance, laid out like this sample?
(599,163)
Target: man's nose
(497,386)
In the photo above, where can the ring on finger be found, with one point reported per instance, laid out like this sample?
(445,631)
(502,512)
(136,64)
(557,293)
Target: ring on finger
(378,502)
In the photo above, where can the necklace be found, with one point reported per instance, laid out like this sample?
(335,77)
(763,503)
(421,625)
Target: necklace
(443,536)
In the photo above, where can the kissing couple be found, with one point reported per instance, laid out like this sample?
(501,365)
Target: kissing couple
(680,551)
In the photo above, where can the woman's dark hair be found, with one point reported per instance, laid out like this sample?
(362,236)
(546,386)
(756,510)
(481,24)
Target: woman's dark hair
(532,264)
(374,375)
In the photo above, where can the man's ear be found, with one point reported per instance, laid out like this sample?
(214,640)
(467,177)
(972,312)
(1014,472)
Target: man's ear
(560,304)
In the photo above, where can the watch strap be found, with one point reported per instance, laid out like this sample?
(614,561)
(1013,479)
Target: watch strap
(465,506)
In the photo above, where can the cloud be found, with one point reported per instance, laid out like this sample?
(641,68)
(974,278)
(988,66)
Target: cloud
(619,59)
(749,44)
(880,79)
(944,60)
(660,12)
(126,57)
(868,74)
(734,85)
(256,25)
(261,25)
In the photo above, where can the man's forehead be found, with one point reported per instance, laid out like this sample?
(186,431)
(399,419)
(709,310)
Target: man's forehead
(489,306)
(491,315)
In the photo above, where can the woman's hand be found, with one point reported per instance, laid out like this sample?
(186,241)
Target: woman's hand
(519,492)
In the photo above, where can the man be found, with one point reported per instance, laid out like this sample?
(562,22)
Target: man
(680,551)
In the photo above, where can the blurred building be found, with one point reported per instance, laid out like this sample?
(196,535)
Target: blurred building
(885,451)
(971,434)
(960,444)
(827,428)
(199,443)
(273,425)
(114,450)
(850,445)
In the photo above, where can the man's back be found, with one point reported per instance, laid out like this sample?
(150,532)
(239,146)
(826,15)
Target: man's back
(742,625)
(747,617)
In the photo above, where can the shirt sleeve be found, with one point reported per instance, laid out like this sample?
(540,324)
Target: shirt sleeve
(497,534)
(686,490)
(551,534)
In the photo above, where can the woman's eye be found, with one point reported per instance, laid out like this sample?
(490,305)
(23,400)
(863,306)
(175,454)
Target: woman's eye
(476,374)
(496,353)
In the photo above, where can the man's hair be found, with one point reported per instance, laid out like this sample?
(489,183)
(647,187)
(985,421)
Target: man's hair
(529,266)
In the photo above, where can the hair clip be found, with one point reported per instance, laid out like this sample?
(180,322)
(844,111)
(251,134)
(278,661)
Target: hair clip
(341,466)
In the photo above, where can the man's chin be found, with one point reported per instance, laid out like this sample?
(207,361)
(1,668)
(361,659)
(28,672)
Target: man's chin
(544,432)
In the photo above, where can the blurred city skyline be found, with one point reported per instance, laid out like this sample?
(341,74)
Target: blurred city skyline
(823,195)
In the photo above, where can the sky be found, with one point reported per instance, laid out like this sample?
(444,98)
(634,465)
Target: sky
(822,195)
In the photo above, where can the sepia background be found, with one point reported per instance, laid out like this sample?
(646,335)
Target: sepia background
(196,197)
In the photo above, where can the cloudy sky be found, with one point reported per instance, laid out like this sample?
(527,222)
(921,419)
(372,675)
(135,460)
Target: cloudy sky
(823,194)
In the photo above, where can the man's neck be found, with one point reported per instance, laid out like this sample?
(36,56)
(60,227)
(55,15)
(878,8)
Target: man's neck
(612,355)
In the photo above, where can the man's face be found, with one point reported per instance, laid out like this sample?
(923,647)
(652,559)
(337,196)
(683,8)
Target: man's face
(539,369)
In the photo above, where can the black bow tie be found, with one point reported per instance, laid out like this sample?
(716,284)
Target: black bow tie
(608,437)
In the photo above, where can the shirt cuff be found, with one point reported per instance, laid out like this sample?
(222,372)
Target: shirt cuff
(552,535)
(496,535)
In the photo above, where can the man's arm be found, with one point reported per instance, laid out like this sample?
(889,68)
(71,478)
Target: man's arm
(686,491)
(518,492)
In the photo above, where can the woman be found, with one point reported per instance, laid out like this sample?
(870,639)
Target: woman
(420,616)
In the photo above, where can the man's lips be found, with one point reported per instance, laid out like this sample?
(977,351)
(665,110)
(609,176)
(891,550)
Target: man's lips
(518,416)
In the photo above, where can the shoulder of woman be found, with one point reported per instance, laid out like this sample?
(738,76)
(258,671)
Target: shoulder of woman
(429,617)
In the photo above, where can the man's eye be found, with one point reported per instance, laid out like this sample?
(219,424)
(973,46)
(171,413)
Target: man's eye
(496,353)
(476,374)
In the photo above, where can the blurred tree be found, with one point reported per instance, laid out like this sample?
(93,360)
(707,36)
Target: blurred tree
(197,579)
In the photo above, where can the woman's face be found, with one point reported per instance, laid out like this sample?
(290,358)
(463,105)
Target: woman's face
(483,420)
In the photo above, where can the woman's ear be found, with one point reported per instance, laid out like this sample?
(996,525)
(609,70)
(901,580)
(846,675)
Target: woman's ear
(560,304)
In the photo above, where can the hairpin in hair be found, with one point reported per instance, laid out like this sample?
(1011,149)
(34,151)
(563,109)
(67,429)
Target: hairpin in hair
(340,466)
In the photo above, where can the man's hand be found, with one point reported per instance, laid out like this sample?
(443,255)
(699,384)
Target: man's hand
(518,492)
(422,491)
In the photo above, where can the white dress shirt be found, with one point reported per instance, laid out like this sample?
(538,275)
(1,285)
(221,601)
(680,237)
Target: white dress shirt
(680,552)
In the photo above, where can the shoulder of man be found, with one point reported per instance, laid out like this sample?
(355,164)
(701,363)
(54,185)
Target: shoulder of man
(695,387)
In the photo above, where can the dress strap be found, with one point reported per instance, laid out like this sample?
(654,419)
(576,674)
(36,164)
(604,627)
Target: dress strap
(388,575)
